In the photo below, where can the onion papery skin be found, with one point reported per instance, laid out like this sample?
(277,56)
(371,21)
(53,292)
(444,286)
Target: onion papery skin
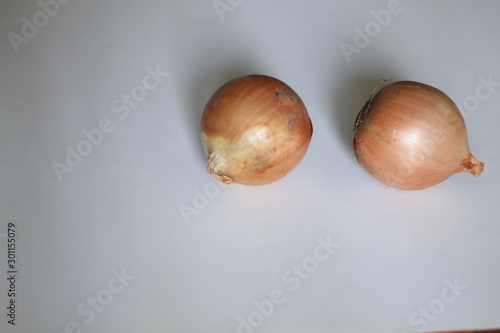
(254,130)
(412,136)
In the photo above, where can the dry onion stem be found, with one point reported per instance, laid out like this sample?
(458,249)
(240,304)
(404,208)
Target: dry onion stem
(412,136)
(254,130)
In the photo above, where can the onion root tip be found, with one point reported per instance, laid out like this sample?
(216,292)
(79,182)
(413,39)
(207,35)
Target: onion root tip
(472,166)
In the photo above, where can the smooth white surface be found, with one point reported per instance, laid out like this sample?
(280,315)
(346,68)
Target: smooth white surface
(120,208)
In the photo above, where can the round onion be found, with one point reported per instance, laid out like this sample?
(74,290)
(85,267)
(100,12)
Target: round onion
(412,136)
(254,130)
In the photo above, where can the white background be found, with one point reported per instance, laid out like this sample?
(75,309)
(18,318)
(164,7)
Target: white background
(119,210)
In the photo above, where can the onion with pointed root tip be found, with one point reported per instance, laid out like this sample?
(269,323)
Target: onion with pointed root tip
(412,136)
(254,130)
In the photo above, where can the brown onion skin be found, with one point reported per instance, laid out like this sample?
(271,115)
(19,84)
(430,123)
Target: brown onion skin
(412,136)
(254,130)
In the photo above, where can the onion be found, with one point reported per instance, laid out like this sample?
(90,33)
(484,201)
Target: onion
(254,130)
(412,136)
